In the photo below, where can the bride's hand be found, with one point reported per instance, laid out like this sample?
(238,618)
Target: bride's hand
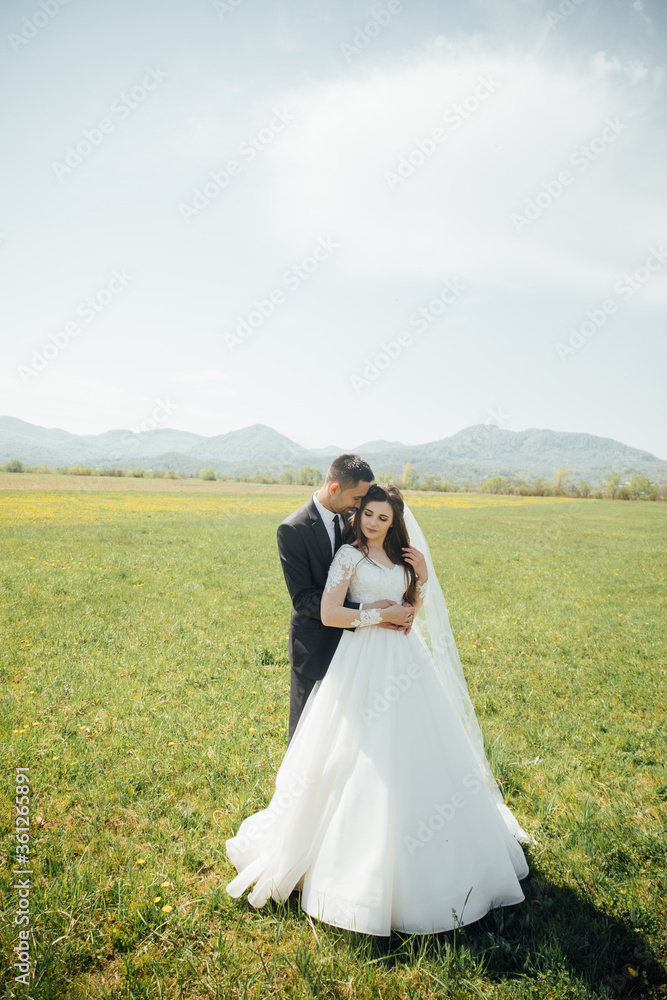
(380,605)
(417,561)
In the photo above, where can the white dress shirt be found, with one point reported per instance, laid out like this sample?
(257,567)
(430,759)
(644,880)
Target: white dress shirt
(328,518)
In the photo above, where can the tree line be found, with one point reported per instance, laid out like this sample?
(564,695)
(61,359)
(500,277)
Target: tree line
(639,487)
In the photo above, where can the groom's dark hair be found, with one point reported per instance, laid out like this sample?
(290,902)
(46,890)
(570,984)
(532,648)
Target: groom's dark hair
(348,470)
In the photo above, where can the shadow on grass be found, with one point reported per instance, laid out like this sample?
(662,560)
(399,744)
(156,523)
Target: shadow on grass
(555,933)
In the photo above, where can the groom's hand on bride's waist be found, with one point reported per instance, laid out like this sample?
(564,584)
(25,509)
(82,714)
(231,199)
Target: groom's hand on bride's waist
(405,621)
(402,620)
(407,627)
(380,605)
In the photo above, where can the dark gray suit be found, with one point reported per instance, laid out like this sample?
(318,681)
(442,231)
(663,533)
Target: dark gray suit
(305,553)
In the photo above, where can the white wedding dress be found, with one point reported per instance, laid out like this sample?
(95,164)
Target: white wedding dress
(381,815)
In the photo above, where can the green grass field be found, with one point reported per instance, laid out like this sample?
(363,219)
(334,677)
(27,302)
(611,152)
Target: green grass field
(145,685)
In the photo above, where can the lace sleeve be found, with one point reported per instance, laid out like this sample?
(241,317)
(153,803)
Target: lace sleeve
(342,568)
(333,611)
(422,589)
(370,617)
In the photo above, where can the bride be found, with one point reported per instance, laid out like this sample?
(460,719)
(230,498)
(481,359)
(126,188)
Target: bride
(386,815)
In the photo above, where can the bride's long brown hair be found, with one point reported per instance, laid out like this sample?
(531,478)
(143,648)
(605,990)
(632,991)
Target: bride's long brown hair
(396,537)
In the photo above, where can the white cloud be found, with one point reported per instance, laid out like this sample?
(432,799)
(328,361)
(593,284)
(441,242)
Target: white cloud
(453,215)
(633,69)
(638,5)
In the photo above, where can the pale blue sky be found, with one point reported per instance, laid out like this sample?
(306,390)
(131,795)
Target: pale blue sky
(403,142)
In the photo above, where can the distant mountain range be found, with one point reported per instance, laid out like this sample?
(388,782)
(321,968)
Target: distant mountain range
(472,454)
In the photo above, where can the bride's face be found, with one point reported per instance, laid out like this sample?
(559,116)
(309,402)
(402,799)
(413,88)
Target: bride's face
(376,519)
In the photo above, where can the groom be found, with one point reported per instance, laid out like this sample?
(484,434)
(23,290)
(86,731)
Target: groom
(307,542)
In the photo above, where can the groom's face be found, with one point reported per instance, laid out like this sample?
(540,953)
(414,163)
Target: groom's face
(342,500)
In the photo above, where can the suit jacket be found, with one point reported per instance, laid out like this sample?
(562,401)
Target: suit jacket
(304,546)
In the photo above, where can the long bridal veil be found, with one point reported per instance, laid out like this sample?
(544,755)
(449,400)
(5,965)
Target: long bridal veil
(433,625)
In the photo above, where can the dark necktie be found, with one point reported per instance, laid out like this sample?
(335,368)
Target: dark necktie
(338,538)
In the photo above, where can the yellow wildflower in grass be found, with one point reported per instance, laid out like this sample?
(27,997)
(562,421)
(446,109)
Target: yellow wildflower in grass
(157,899)
(140,861)
(112,504)
(479,500)
(167,908)
(91,506)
